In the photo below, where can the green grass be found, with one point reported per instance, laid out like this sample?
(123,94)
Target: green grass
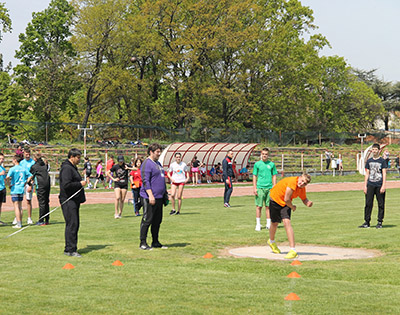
(179,280)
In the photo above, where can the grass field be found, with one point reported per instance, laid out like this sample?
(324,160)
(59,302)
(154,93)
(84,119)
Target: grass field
(179,280)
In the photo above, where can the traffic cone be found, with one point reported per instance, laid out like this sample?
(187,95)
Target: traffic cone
(296,263)
(68,266)
(293,274)
(117,263)
(208,255)
(292,297)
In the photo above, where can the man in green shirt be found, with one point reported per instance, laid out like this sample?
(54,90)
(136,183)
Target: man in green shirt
(264,178)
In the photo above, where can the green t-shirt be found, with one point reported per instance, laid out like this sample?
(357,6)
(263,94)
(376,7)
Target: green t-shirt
(264,172)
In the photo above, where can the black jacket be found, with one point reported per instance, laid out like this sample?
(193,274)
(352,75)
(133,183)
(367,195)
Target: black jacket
(70,183)
(39,171)
(227,170)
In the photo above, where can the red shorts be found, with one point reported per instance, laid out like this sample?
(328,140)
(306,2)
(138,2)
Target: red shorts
(178,184)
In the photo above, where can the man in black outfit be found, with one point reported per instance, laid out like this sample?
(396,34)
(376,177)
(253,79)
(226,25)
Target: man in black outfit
(227,176)
(40,173)
(71,184)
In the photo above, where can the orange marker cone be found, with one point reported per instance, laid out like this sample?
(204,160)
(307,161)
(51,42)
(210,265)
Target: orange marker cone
(68,266)
(292,297)
(296,263)
(208,255)
(293,274)
(117,263)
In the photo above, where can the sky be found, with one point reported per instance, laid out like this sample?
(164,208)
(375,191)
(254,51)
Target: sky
(363,32)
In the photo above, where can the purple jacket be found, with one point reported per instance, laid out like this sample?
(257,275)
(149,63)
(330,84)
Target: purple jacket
(153,178)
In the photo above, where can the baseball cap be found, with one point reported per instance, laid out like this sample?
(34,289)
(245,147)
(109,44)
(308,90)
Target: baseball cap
(120,158)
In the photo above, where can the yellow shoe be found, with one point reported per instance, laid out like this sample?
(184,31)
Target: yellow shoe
(292,254)
(274,248)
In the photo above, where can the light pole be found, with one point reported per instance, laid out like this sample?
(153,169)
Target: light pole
(84,137)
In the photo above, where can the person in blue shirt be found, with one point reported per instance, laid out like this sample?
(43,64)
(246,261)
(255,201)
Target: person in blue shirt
(17,177)
(3,191)
(27,162)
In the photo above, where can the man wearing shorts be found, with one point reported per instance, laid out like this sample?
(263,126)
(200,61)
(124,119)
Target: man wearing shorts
(179,178)
(264,178)
(281,205)
(17,176)
(3,191)
(27,162)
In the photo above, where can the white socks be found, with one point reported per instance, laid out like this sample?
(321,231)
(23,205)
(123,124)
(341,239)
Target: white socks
(268,223)
(258,221)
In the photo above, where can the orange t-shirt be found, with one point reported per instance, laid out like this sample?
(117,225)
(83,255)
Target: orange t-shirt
(277,192)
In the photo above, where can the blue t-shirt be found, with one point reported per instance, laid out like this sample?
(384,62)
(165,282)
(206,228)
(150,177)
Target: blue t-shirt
(375,167)
(27,164)
(2,177)
(19,176)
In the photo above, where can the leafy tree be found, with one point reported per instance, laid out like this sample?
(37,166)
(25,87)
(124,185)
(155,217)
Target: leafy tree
(48,73)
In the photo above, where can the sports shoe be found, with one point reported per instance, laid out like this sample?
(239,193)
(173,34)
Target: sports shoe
(292,254)
(29,221)
(17,226)
(117,216)
(158,245)
(258,227)
(274,247)
(365,225)
(137,214)
(144,246)
(379,225)
(172,212)
(14,221)
(177,213)
(227,205)
(75,254)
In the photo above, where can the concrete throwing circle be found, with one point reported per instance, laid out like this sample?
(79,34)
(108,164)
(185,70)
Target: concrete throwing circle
(306,252)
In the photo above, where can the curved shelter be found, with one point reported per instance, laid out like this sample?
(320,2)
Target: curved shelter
(208,153)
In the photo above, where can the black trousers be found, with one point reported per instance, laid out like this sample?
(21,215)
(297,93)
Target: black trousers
(71,215)
(369,202)
(228,190)
(328,164)
(43,194)
(152,215)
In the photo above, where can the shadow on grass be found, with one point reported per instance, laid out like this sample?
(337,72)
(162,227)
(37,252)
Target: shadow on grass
(384,226)
(185,213)
(177,245)
(90,248)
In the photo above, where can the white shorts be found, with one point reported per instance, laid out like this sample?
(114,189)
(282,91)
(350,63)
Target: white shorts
(28,195)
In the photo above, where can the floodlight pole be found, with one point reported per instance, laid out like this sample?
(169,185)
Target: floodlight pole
(362,136)
(84,137)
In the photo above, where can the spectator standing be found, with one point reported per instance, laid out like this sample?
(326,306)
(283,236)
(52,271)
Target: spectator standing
(374,185)
(136,184)
(328,156)
(72,194)
(195,170)
(3,190)
(397,161)
(87,171)
(41,177)
(228,176)
(109,164)
(17,176)
(264,178)
(121,179)
(27,162)
(179,178)
(153,196)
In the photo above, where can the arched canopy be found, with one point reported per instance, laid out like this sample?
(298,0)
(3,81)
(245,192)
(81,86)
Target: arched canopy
(208,153)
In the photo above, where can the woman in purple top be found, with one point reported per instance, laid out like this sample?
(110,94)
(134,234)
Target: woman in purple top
(152,194)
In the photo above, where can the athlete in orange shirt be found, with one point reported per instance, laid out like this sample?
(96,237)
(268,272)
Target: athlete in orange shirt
(280,207)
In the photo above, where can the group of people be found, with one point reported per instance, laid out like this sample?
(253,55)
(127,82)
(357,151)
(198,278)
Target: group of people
(332,162)
(147,178)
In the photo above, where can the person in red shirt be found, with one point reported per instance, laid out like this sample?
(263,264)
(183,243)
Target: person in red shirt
(136,183)
(280,207)
(109,164)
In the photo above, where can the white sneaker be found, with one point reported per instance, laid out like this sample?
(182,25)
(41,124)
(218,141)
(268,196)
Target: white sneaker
(267,226)
(29,221)
(16,226)
(15,221)
(258,227)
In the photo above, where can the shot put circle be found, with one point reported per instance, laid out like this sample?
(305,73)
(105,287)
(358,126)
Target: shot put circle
(305,252)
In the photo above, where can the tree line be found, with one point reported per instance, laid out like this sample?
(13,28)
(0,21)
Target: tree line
(186,63)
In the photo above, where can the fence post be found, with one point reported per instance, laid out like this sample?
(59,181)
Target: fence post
(302,161)
(282,168)
(322,161)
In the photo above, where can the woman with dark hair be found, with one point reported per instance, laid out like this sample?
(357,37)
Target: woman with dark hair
(99,174)
(195,163)
(136,183)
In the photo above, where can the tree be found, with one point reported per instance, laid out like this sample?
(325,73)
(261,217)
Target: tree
(48,72)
